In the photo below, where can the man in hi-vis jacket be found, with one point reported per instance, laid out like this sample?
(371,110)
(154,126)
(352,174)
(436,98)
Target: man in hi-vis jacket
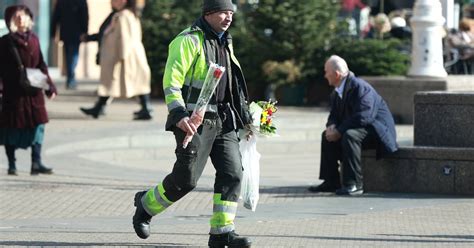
(215,136)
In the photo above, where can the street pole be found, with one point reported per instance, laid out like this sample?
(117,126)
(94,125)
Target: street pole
(449,14)
(427,45)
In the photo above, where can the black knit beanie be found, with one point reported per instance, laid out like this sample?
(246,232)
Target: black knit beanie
(210,6)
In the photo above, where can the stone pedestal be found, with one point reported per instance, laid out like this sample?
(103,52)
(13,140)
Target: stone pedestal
(427,46)
(399,92)
(444,119)
(442,160)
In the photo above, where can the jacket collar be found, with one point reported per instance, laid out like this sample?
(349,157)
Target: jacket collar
(21,38)
(348,84)
(201,25)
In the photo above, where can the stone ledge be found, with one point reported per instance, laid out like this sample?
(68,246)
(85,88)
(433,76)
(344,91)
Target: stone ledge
(399,91)
(428,152)
(421,170)
(444,98)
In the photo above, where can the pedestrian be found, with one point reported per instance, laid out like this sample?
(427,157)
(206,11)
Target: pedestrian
(352,9)
(189,56)
(124,69)
(359,118)
(72,17)
(23,116)
(463,40)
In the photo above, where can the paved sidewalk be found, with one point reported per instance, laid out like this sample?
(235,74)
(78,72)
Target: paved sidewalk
(100,164)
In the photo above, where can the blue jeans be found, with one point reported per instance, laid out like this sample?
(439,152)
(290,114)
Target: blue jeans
(71,49)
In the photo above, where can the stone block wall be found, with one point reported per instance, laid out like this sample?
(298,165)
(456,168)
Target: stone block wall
(421,170)
(444,119)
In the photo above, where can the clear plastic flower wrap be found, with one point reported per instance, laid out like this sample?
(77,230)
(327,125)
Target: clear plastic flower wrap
(214,75)
(263,113)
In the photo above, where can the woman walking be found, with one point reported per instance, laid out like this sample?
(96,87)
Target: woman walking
(124,68)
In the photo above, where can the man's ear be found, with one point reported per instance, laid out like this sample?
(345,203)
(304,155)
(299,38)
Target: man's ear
(338,75)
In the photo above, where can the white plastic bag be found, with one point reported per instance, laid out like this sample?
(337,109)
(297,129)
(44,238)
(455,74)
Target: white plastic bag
(251,173)
(37,78)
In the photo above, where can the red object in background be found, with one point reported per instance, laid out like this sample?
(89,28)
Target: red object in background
(350,5)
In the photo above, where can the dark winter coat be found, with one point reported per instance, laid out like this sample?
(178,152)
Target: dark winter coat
(362,106)
(19,109)
(72,16)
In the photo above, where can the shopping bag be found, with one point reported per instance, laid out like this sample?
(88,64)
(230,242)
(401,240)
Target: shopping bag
(251,173)
(37,78)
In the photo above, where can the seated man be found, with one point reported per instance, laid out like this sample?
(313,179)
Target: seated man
(359,117)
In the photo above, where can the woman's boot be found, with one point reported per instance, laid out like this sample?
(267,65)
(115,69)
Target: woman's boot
(37,166)
(10,151)
(145,111)
(98,108)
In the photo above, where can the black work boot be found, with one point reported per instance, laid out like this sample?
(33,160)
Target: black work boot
(230,239)
(145,112)
(98,108)
(37,167)
(141,219)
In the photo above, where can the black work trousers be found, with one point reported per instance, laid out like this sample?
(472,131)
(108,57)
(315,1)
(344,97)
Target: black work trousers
(346,151)
(211,140)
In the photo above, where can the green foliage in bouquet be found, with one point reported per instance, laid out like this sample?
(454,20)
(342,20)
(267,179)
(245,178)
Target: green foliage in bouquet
(266,119)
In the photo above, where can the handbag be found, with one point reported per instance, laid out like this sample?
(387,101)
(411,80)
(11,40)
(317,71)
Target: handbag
(31,79)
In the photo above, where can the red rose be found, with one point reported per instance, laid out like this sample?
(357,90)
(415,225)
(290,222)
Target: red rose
(217,73)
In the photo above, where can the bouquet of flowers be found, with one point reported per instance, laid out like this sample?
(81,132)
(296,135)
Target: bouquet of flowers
(262,113)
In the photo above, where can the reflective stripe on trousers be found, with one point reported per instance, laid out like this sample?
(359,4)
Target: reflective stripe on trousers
(155,201)
(222,220)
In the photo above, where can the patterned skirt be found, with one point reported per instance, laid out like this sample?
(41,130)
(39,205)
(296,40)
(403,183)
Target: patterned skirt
(22,137)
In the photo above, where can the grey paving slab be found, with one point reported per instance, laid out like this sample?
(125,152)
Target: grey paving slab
(100,164)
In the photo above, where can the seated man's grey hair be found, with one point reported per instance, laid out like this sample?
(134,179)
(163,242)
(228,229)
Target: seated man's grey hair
(339,64)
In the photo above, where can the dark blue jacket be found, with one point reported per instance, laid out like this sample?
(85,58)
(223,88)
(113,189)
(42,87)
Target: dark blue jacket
(361,106)
(72,16)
